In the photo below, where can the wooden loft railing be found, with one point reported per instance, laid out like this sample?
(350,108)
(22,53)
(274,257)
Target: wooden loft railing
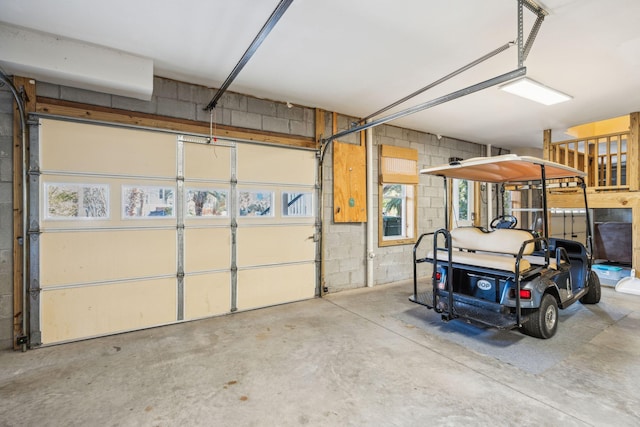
(603,158)
(611,161)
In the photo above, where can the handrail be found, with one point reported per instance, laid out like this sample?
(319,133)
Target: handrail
(599,156)
(415,268)
(447,237)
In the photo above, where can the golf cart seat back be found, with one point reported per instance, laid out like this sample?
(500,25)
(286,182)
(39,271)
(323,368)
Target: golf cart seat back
(501,240)
(495,249)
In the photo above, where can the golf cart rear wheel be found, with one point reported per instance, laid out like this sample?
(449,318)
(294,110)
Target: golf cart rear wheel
(543,322)
(593,295)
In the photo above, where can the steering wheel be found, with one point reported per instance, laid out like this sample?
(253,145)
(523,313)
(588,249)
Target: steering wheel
(504,221)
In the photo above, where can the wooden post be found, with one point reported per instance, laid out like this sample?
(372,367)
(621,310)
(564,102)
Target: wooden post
(633,152)
(546,145)
(28,86)
(319,126)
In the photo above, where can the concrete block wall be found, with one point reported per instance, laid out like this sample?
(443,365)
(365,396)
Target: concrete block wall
(185,101)
(344,249)
(6,218)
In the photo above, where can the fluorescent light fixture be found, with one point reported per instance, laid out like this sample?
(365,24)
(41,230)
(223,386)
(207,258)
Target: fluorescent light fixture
(530,89)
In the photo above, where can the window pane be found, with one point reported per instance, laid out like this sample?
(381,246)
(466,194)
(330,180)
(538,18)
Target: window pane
(72,201)
(206,203)
(255,203)
(297,204)
(398,210)
(141,202)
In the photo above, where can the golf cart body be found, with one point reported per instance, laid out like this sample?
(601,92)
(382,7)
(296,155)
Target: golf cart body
(507,276)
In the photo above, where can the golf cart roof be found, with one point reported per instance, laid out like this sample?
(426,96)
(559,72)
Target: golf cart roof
(505,168)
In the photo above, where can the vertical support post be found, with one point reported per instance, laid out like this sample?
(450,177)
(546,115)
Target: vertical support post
(20,241)
(633,179)
(546,145)
(180,226)
(233,196)
(320,205)
(319,127)
(34,291)
(633,152)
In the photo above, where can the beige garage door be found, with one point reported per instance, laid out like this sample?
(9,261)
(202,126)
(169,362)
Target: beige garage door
(139,229)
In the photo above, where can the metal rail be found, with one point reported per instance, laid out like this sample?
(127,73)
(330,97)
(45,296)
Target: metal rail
(425,105)
(255,44)
(441,80)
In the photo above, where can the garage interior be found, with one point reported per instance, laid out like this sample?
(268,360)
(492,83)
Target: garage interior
(204,222)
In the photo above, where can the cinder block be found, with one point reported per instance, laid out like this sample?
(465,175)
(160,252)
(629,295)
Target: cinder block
(233,101)
(246,120)
(131,104)
(6,102)
(274,124)
(302,128)
(6,124)
(221,115)
(6,283)
(6,261)
(195,94)
(6,147)
(293,113)
(175,108)
(261,106)
(165,88)
(6,332)
(85,96)
(393,132)
(48,90)
(6,192)
(6,310)
(6,170)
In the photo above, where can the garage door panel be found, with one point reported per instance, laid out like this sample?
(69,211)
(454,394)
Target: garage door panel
(270,245)
(83,256)
(207,162)
(98,310)
(207,249)
(276,165)
(142,228)
(80,147)
(207,295)
(262,287)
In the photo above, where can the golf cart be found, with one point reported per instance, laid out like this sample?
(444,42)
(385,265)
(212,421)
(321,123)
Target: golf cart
(508,276)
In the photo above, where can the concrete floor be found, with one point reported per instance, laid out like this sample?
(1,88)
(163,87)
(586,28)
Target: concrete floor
(365,358)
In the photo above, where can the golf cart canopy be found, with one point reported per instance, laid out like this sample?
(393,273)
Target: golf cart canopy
(505,168)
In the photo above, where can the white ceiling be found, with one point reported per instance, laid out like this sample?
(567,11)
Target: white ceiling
(357,56)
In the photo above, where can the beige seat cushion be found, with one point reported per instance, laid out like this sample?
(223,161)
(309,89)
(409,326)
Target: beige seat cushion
(495,249)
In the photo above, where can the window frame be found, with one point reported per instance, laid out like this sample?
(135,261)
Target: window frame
(399,166)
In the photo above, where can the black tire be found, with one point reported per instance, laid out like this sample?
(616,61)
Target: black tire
(593,295)
(543,322)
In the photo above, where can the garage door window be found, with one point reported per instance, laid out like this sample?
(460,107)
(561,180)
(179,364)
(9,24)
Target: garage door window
(147,202)
(206,203)
(297,204)
(76,201)
(256,203)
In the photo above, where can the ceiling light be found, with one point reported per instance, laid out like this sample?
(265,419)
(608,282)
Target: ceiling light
(530,89)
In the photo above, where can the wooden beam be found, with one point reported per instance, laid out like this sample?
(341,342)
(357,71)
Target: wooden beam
(546,145)
(28,86)
(319,126)
(633,153)
(110,115)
